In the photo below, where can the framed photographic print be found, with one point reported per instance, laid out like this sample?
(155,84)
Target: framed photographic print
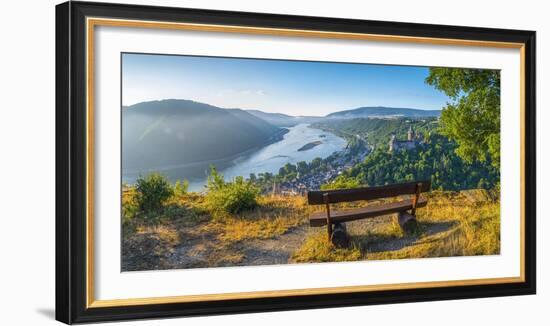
(213,162)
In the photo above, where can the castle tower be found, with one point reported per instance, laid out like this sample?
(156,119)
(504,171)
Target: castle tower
(410,134)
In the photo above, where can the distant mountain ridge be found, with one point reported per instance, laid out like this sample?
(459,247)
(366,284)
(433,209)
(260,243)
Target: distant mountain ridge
(176,132)
(283,120)
(382,111)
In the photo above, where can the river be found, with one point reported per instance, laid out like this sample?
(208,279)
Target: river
(266,159)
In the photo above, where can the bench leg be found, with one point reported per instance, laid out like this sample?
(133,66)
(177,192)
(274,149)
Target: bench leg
(329,231)
(340,236)
(407,221)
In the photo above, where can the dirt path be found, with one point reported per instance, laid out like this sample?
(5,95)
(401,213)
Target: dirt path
(274,251)
(205,250)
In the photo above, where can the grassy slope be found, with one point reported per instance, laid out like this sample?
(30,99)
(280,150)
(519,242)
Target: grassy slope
(187,235)
(214,236)
(453,224)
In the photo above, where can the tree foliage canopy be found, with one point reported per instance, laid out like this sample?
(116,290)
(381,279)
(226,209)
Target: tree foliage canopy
(435,160)
(472,119)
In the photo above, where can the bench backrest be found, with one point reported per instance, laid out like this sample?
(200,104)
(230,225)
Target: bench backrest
(367,193)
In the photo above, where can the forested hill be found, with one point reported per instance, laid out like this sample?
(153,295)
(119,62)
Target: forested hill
(377,131)
(175,132)
(433,158)
(382,111)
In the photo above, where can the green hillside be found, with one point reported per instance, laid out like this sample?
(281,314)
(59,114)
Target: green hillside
(433,160)
(175,132)
(377,131)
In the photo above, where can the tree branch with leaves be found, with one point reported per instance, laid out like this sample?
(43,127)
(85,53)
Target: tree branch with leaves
(472,118)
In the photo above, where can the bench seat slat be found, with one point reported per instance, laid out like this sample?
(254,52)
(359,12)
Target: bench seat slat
(320,218)
(366,193)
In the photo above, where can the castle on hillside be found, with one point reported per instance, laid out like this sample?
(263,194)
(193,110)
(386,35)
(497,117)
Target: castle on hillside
(411,142)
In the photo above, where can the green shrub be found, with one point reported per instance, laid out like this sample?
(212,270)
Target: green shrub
(152,192)
(181,188)
(129,211)
(341,182)
(215,180)
(231,197)
(130,208)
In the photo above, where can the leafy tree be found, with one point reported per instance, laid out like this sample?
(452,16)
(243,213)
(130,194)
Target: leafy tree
(472,119)
(302,167)
(288,172)
(316,163)
(265,177)
(288,168)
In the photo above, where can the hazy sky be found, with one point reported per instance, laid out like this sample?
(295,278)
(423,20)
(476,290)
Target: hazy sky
(290,87)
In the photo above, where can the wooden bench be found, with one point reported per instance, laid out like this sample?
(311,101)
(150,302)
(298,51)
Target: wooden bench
(337,218)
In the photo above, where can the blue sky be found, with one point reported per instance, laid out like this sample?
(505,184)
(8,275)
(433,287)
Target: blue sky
(290,87)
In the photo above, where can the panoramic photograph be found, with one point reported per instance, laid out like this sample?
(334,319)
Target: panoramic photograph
(245,162)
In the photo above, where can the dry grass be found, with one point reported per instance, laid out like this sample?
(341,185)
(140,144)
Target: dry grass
(318,249)
(453,224)
(166,233)
(148,246)
(274,216)
(188,221)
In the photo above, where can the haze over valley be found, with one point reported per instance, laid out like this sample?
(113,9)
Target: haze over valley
(183,138)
